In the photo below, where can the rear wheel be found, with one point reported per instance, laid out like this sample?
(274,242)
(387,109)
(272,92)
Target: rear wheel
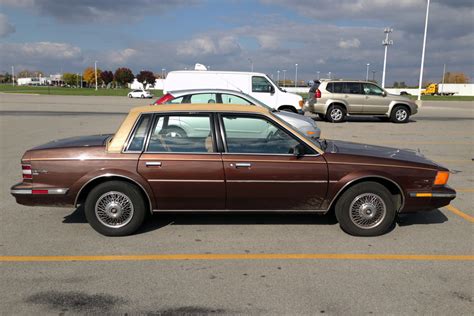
(115,208)
(129,95)
(336,113)
(400,114)
(142,96)
(366,209)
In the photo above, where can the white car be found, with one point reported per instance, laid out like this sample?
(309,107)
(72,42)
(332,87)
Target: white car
(140,94)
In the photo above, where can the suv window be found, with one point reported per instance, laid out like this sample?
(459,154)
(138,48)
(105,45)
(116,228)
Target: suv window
(202,98)
(256,135)
(261,84)
(182,134)
(372,89)
(233,99)
(352,88)
(139,134)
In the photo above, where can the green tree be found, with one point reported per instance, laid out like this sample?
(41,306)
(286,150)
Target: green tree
(395,84)
(71,79)
(123,76)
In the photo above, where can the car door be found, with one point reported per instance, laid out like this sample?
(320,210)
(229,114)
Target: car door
(183,169)
(376,102)
(262,170)
(263,91)
(354,96)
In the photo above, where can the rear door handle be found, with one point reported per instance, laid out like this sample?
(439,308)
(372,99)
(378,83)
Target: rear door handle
(243,165)
(153,164)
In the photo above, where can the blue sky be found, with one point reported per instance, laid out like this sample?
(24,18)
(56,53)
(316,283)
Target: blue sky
(340,36)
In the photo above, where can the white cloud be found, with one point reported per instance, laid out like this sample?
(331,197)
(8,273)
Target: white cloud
(351,43)
(205,45)
(122,56)
(6,28)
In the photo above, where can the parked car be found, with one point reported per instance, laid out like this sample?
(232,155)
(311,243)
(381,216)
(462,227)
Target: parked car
(219,96)
(140,94)
(241,158)
(257,85)
(333,100)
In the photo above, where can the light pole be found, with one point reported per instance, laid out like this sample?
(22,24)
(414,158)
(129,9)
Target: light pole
(13,75)
(423,51)
(284,77)
(278,77)
(296,74)
(367,76)
(251,64)
(442,80)
(95,70)
(318,75)
(373,75)
(386,42)
(77,80)
(329,75)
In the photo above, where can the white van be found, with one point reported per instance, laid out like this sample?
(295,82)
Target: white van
(257,85)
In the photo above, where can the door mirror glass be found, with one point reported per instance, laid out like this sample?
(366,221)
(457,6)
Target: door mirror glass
(299,150)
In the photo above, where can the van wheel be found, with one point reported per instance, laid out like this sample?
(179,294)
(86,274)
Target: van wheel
(115,208)
(288,108)
(174,131)
(366,209)
(336,113)
(400,114)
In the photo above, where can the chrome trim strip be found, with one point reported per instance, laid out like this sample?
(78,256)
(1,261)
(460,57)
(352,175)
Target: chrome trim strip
(379,165)
(243,165)
(184,180)
(278,181)
(433,194)
(30,191)
(108,175)
(21,191)
(368,177)
(153,163)
(249,211)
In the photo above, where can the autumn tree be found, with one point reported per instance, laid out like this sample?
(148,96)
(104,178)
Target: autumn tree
(146,76)
(456,77)
(71,79)
(123,76)
(107,76)
(89,75)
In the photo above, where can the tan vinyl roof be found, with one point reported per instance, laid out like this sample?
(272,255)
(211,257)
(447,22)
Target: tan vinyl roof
(215,107)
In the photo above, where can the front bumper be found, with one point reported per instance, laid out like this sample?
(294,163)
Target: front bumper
(26,194)
(429,200)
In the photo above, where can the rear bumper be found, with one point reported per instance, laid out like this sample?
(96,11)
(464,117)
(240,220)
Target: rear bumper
(26,194)
(429,200)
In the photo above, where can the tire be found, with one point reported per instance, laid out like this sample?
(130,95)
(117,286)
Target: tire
(336,114)
(142,96)
(115,197)
(130,96)
(400,114)
(353,207)
(174,131)
(322,117)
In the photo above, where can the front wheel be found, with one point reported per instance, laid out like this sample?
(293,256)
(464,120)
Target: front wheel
(115,208)
(400,114)
(130,96)
(142,96)
(366,209)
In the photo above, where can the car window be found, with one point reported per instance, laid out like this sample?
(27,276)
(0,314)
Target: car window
(175,101)
(181,134)
(337,87)
(203,98)
(261,84)
(372,89)
(352,88)
(255,135)
(139,134)
(233,99)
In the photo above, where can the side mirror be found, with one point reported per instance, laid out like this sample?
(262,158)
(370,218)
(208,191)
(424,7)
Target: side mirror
(272,90)
(384,94)
(299,150)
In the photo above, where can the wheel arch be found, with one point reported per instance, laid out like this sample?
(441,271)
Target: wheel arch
(398,103)
(287,106)
(393,187)
(332,102)
(89,185)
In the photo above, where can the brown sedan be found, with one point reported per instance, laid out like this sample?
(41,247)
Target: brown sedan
(193,157)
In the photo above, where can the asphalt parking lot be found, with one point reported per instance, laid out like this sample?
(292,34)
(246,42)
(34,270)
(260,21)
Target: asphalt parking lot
(53,262)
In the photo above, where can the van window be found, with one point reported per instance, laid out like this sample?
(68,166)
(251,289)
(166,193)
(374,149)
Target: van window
(261,84)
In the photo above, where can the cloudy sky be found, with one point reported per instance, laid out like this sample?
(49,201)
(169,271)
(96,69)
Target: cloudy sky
(337,36)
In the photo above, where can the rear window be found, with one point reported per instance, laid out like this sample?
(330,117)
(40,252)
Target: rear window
(314,87)
(335,87)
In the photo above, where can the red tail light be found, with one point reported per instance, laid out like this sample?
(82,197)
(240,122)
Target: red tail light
(317,94)
(26,171)
(167,97)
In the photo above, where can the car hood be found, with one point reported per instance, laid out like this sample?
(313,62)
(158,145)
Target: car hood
(79,141)
(303,123)
(409,155)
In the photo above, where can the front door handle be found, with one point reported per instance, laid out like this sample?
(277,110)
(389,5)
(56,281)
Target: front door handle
(243,165)
(153,164)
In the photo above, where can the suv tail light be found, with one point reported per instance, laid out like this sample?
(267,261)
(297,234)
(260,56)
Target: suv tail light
(167,97)
(26,171)
(317,94)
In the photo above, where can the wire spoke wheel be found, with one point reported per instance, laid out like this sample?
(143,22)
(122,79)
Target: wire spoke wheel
(367,210)
(114,209)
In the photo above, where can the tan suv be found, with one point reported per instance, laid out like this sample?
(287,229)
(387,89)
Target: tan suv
(333,100)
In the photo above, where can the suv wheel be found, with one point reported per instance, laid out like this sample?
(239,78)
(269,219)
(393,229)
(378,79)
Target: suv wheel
(400,114)
(336,113)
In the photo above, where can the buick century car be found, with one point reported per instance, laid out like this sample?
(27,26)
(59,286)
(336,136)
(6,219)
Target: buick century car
(232,158)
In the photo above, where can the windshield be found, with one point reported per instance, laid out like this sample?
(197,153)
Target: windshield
(274,83)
